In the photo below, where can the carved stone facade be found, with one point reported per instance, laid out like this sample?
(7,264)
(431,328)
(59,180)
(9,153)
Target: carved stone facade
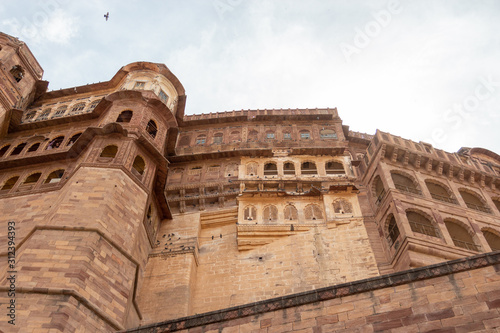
(128,212)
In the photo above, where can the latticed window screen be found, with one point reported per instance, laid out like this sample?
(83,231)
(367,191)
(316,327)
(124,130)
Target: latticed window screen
(251,169)
(291,213)
(342,206)
(313,212)
(270,213)
(250,213)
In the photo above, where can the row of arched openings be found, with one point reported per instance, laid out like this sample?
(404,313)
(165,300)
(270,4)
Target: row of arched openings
(306,168)
(460,234)
(62,110)
(235,136)
(312,212)
(32,179)
(437,190)
(52,144)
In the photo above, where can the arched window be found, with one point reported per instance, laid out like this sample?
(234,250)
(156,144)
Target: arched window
(152,129)
(218,138)
(60,111)
(270,135)
(139,165)
(270,213)
(473,201)
(55,176)
(291,213)
(334,168)
(308,168)
(287,136)
(94,104)
(45,114)
(235,136)
(55,143)
(421,224)
(4,150)
(342,206)
(30,115)
(439,192)
(250,213)
(17,72)
(34,147)
(378,189)
(252,169)
(78,108)
(125,117)
(404,183)
(10,183)
(460,236)
(305,135)
(253,135)
(73,139)
(109,151)
(492,239)
(313,212)
(392,230)
(270,169)
(328,134)
(18,149)
(289,169)
(33,178)
(201,139)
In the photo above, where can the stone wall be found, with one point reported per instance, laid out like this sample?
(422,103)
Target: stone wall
(457,296)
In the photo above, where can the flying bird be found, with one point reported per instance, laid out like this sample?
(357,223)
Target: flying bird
(106,16)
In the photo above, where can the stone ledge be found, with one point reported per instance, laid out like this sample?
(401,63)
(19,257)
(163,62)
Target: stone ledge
(323,294)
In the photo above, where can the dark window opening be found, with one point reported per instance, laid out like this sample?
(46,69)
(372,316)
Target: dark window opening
(34,147)
(124,117)
(55,143)
(152,129)
(55,176)
(17,72)
(73,139)
(18,149)
(109,151)
(10,183)
(139,165)
(4,150)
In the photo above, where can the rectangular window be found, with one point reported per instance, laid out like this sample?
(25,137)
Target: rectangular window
(163,96)
(139,85)
(305,136)
(287,136)
(270,135)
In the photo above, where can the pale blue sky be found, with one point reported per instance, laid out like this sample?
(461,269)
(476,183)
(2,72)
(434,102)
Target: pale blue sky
(426,70)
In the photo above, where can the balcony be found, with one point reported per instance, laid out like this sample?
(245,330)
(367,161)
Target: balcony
(465,245)
(477,207)
(443,198)
(407,189)
(425,229)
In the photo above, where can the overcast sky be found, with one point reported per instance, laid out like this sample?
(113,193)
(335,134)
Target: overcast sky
(426,70)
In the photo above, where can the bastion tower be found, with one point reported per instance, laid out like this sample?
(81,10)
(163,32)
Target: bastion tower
(83,172)
(131,216)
